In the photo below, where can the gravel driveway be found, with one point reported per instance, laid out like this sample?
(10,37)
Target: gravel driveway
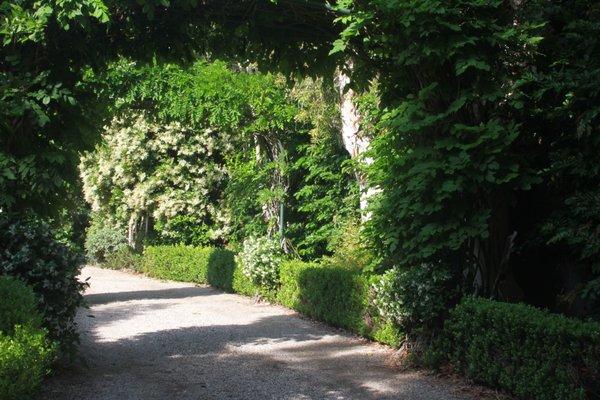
(146,339)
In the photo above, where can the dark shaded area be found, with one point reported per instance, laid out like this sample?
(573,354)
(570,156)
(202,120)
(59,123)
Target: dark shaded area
(220,268)
(175,293)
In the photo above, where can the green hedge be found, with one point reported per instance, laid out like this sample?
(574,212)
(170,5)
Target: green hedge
(332,294)
(190,264)
(25,351)
(18,305)
(336,295)
(528,352)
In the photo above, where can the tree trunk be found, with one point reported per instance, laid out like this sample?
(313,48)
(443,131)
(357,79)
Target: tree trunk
(137,230)
(355,141)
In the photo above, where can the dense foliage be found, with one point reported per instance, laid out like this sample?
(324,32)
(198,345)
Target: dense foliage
(25,351)
(144,168)
(529,352)
(25,357)
(31,253)
(490,125)
(180,165)
(484,116)
(416,300)
(46,46)
(450,143)
(19,305)
(327,194)
(215,154)
(101,241)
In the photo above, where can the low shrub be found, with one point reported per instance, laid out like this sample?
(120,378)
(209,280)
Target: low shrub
(329,293)
(220,269)
(336,295)
(25,357)
(386,333)
(206,265)
(30,253)
(123,258)
(526,351)
(18,305)
(415,300)
(102,240)
(260,259)
(178,263)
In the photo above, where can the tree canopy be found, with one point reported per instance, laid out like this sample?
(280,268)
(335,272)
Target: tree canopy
(488,113)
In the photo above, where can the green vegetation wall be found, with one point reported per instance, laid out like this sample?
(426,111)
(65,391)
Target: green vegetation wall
(490,119)
(214,152)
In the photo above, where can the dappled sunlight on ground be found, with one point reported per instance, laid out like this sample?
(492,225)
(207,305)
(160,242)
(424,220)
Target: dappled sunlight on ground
(146,339)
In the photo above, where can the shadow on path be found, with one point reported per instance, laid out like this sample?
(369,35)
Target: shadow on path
(174,293)
(192,348)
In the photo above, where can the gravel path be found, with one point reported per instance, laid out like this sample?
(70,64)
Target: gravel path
(144,339)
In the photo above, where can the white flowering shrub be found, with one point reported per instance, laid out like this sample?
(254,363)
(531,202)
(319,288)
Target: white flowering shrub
(162,170)
(260,259)
(414,299)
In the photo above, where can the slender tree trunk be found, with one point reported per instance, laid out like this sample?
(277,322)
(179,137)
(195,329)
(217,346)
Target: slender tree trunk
(355,141)
(137,230)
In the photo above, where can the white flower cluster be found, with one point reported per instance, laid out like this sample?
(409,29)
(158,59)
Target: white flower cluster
(160,170)
(413,298)
(386,299)
(260,259)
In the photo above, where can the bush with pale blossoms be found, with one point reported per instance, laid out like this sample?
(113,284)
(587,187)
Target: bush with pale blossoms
(260,259)
(414,299)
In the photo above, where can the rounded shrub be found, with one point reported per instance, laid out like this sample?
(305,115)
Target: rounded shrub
(31,253)
(18,305)
(416,299)
(102,241)
(260,259)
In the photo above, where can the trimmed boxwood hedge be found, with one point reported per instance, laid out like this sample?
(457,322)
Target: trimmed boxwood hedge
(190,264)
(527,352)
(331,294)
